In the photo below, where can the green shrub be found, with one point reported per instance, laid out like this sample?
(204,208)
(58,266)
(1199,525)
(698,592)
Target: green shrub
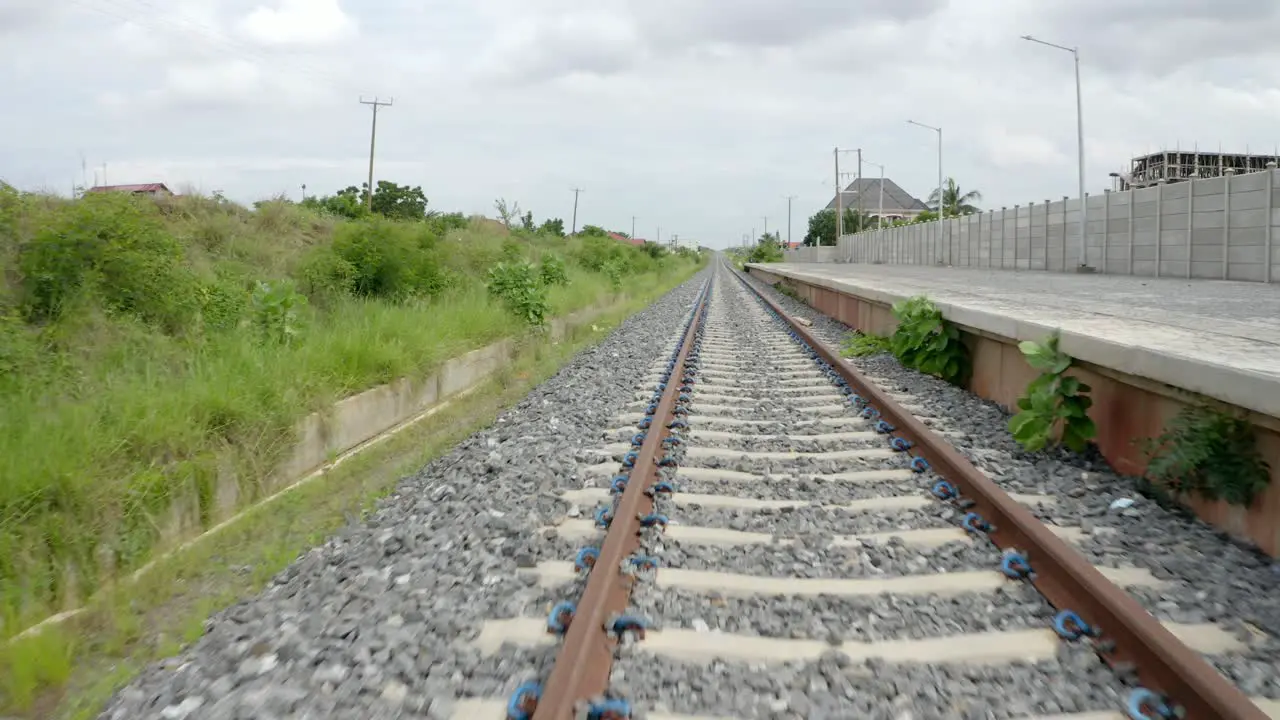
(765,252)
(1055,407)
(223,303)
(112,246)
(553,271)
(516,284)
(926,342)
(614,270)
(595,252)
(275,311)
(1211,454)
(389,260)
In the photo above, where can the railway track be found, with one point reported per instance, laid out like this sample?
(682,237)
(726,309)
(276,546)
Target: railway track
(767,535)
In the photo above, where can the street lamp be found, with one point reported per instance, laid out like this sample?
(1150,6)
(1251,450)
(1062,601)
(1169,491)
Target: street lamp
(939,131)
(941,196)
(1084,205)
(880,212)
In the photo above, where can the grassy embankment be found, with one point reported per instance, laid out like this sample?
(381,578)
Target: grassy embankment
(148,347)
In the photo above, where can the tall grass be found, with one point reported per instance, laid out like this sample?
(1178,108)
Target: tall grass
(143,359)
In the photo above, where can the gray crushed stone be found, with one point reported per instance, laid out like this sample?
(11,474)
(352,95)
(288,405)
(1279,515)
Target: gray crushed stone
(835,686)
(376,622)
(1213,578)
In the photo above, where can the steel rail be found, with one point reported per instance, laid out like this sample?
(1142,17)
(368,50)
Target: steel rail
(582,666)
(1130,638)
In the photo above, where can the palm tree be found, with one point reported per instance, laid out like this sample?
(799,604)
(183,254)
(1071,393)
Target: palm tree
(954,201)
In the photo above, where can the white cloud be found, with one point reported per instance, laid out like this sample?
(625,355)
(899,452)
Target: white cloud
(1013,150)
(691,116)
(299,22)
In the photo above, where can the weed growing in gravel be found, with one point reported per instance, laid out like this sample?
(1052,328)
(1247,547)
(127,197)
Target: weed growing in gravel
(1055,407)
(926,342)
(860,344)
(1209,453)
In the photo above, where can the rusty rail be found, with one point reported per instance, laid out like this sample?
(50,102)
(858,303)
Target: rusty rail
(582,667)
(1130,638)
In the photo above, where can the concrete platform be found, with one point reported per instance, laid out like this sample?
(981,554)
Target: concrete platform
(1148,346)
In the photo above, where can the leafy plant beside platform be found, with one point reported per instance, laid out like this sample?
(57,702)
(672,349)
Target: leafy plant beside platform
(926,342)
(860,344)
(1055,408)
(1209,453)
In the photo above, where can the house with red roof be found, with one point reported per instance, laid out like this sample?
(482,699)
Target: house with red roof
(149,189)
(623,238)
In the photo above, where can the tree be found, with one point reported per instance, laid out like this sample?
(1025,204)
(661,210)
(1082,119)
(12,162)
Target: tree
(955,202)
(399,202)
(593,231)
(507,212)
(822,226)
(552,227)
(347,203)
(396,202)
(526,221)
(767,249)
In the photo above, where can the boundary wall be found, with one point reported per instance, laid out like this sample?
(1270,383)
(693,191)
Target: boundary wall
(1222,228)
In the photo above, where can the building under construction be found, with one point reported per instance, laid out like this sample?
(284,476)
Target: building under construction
(1177,166)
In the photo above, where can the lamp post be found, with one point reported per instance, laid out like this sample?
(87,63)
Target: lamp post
(941,196)
(1084,205)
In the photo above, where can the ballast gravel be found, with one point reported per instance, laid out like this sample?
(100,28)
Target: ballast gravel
(378,621)
(1212,577)
(834,686)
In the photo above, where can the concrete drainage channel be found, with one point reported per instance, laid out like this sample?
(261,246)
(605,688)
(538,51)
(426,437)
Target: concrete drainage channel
(798,546)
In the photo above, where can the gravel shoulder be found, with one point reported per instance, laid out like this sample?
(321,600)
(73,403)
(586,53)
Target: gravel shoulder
(1212,578)
(379,621)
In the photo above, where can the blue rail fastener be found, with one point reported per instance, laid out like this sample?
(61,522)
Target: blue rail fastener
(586,559)
(524,701)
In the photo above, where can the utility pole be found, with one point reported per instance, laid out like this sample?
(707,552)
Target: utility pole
(575,210)
(633,227)
(373,139)
(766,224)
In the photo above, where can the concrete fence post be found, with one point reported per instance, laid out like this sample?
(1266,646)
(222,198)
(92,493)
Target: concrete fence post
(1271,186)
(1106,227)
(1017,215)
(1046,233)
(1226,222)
(1159,223)
(1003,212)
(1065,200)
(1133,197)
(1191,209)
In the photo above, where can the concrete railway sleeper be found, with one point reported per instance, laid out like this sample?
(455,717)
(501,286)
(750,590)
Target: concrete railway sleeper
(773,537)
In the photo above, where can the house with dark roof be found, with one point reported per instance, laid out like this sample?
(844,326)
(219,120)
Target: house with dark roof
(864,194)
(151,189)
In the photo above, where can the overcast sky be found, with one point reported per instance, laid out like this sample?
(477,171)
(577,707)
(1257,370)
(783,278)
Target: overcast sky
(698,116)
